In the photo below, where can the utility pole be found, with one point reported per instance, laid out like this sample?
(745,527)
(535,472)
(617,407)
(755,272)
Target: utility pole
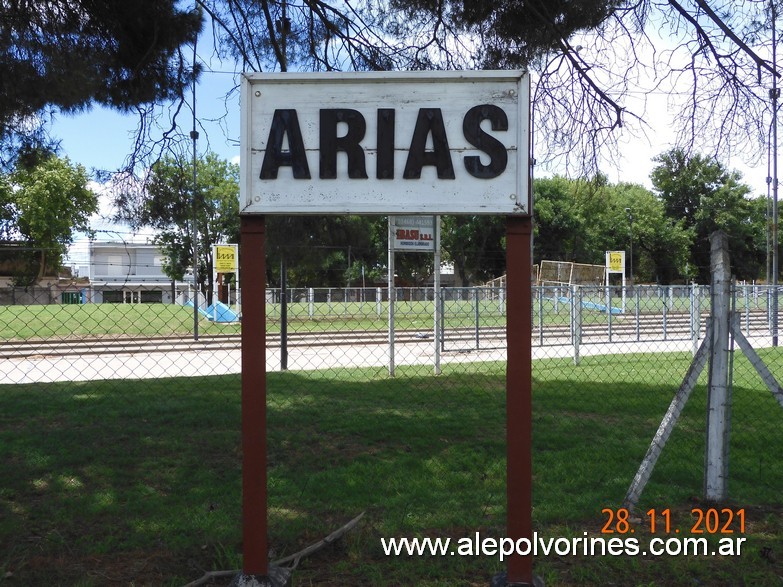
(194,230)
(630,238)
(774,95)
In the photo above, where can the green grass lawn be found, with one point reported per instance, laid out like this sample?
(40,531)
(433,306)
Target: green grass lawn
(120,483)
(55,321)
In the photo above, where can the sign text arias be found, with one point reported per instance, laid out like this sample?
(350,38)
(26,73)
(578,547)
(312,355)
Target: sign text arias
(382,143)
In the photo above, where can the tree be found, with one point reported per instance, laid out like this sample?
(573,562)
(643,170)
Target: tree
(580,220)
(595,65)
(475,245)
(660,243)
(50,201)
(7,212)
(571,219)
(69,55)
(555,220)
(319,251)
(707,197)
(168,204)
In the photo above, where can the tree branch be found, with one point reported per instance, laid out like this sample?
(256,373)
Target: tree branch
(761,63)
(295,558)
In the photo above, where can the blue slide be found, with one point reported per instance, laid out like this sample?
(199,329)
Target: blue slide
(592,306)
(218,312)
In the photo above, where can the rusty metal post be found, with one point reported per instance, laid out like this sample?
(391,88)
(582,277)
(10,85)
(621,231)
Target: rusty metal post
(519,406)
(254,484)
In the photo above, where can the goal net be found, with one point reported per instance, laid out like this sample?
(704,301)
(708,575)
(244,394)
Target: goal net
(567,273)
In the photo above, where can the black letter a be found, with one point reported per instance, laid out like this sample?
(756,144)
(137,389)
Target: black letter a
(285,122)
(429,121)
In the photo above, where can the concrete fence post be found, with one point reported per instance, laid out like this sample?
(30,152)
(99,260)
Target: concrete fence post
(576,320)
(716,459)
(695,317)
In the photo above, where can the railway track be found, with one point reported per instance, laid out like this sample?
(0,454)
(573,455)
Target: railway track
(171,344)
(649,328)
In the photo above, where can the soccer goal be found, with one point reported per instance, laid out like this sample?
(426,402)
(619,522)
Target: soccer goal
(565,273)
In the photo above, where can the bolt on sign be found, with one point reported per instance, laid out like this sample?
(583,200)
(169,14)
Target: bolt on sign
(385,142)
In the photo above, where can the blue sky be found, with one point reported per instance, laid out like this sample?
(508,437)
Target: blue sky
(101,138)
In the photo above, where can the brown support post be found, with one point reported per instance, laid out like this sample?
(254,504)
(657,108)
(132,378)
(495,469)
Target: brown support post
(255,560)
(519,406)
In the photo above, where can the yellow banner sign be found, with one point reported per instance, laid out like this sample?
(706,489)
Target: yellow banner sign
(615,261)
(225,259)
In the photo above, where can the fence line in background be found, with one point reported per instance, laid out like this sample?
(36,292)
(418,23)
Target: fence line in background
(567,322)
(605,375)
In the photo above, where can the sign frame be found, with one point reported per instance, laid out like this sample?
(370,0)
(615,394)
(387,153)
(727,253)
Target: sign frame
(615,263)
(421,237)
(519,230)
(394,107)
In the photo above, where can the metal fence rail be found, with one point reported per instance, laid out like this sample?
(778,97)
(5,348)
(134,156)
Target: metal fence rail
(607,364)
(328,325)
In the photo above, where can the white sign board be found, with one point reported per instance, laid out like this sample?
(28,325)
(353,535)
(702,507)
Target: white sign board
(439,142)
(413,233)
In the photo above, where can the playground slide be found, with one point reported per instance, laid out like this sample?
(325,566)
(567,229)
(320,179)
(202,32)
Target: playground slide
(218,312)
(591,306)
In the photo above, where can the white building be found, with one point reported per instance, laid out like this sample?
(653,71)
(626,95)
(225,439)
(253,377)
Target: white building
(130,272)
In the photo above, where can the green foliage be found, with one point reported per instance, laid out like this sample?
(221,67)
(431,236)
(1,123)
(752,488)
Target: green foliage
(45,204)
(324,251)
(7,212)
(513,33)
(69,55)
(475,245)
(660,243)
(578,220)
(708,197)
(317,249)
(555,219)
(168,204)
(571,218)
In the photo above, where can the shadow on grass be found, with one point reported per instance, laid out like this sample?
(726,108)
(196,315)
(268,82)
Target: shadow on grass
(108,483)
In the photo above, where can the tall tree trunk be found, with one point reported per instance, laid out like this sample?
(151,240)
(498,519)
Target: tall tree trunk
(41,267)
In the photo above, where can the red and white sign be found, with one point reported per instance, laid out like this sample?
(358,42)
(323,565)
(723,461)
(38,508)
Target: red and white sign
(413,233)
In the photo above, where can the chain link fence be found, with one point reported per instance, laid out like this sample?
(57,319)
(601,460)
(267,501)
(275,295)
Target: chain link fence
(120,423)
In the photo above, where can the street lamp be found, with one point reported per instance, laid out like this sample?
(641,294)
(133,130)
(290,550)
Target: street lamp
(630,235)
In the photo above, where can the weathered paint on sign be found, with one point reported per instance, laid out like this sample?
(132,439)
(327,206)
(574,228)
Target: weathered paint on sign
(384,142)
